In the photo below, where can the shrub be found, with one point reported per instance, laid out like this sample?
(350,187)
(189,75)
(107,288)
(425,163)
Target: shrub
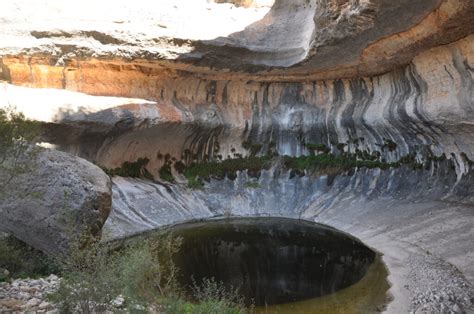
(195,183)
(179,166)
(89,281)
(134,169)
(95,276)
(23,261)
(253,149)
(212,297)
(252,185)
(165,172)
(142,274)
(388,143)
(227,167)
(321,148)
(16,152)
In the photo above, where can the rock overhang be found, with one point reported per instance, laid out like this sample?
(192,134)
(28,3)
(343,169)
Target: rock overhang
(284,40)
(299,72)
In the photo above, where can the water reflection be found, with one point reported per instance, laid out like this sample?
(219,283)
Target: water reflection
(276,260)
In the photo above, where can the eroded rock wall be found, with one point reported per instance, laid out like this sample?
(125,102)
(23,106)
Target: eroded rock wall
(141,205)
(355,74)
(281,41)
(425,107)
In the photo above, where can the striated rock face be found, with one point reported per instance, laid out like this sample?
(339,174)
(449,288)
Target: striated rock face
(60,199)
(141,205)
(148,81)
(425,107)
(318,39)
(421,221)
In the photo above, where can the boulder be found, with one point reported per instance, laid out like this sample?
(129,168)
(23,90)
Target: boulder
(58,199)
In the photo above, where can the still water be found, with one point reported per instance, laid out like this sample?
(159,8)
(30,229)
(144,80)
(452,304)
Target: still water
(284,265)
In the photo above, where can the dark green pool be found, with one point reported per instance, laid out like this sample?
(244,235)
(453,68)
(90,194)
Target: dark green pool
(271,260)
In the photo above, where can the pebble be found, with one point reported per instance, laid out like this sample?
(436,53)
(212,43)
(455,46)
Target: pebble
(28,289)
(33,302)
(457,308)
(13,304)
(44,305)
(24,295)
(119,301)
(28,295)
(437,287)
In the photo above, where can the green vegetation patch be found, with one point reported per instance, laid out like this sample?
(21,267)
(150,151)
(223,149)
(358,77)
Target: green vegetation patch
(321,148)
(252,185)
(17,153)
(212,297)
(165,172)
(389,144)
(220,169)
(142,272)
(319,160)
(136,169)
(19,260)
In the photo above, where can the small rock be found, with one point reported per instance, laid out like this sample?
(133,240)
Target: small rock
(119,301)
(457,308)
(24,295)
(52,278)
(28,289)
(35,283)
(44,305)
(12,304)
(42,282)
(33,302)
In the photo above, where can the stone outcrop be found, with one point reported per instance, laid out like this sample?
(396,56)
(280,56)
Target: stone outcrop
(319,39)
(425,108)
(420,220)
(280,74)
(61,198)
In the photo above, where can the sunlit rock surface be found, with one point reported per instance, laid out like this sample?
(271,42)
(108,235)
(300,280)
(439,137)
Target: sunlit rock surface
(319,39)
(166,77)
(421,221)
(425,107)
(59,200)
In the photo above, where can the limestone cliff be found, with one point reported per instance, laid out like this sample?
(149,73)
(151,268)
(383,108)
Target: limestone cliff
(280,41)
(425,107)
(209,79)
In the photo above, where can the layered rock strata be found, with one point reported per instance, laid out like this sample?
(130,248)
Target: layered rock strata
(421,221)
(393,77)
(425,108)
(319,39)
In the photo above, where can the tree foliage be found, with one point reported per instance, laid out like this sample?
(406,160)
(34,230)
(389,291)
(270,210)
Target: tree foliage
(138,277)
(16,136)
